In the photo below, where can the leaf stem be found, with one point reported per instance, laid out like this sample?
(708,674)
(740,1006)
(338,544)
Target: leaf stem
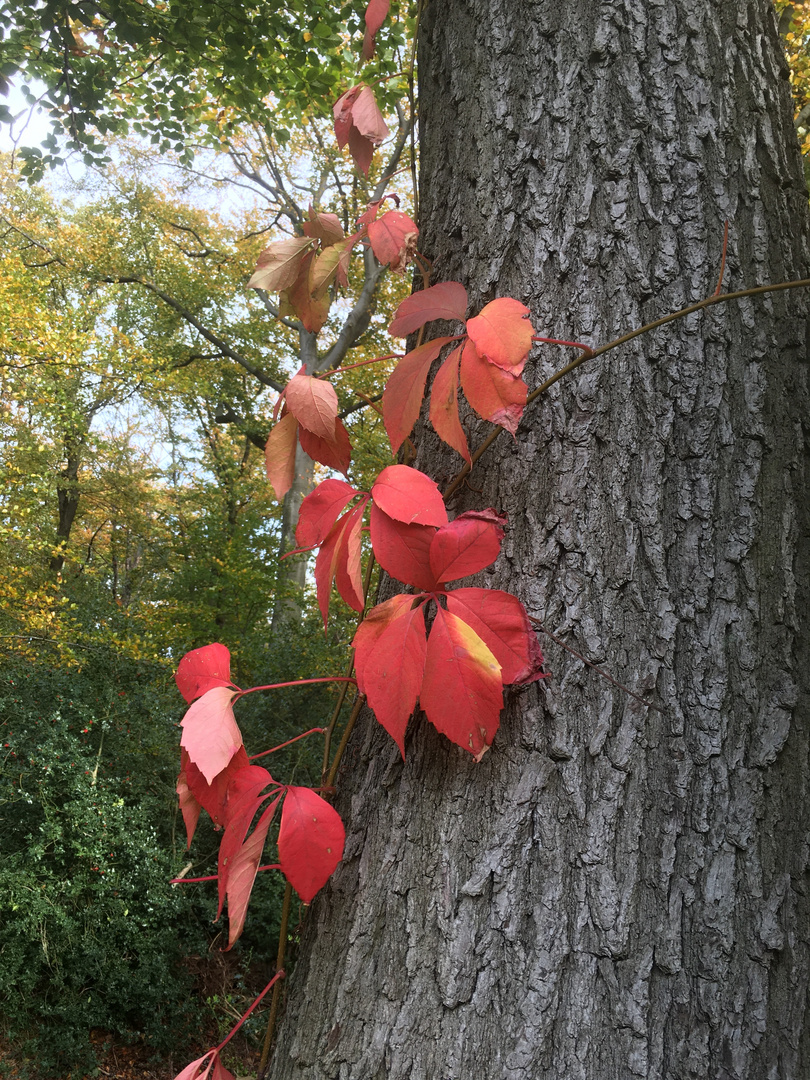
(274,983)
(360,363)
(289,742)
(296,682)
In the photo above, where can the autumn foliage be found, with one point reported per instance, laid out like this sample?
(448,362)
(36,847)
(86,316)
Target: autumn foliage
(446,651)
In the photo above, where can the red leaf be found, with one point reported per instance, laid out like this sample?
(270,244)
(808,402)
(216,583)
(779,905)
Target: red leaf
(376,14)
(466,545)
(314,404)
(279,264)
(320,510)
(444,406)
(462,690)
(393,669)
(338,552)
(189,807)
(502,334)
(243,809)
(393,239)
(203,668)
(214,797)
(210,734)
(348,574)
(500,620)
(359,123)
(408,495)
(335,454)
(242,873)
(310,841)
(403,550)
(447,300)
(279,454)
(324,227)
(376,623)
(495,394)
(402,397)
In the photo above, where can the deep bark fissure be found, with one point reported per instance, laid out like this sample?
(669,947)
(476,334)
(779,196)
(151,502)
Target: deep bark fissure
(613,891)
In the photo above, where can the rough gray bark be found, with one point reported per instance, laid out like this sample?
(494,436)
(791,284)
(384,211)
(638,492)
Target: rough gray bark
(614,891)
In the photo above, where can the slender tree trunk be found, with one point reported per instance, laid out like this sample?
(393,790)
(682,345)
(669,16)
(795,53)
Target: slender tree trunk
(67,496)
(615,891)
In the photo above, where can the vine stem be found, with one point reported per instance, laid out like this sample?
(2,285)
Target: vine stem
(282,950)
(591,354)
(327,743)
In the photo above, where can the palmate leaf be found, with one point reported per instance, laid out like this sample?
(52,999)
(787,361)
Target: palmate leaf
(321,509)
(495,394)
(241,872)
(314,404)
(500,620)
(468,544)
(393,239)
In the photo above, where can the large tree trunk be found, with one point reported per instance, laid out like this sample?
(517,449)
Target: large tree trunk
(614,891)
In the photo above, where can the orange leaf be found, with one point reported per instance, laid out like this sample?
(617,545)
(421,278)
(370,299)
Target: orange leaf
(279,264)
(447,300)
(279,454)
(495,394)
(393,239)
(444,406)
(502,333)
(314,404)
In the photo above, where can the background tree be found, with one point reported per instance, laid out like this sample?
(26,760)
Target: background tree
(616,889)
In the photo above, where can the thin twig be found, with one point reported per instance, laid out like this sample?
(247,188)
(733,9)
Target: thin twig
(591,354)
(598,670)
(282,949)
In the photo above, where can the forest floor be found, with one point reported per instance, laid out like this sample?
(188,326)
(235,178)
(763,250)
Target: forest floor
(117,1061)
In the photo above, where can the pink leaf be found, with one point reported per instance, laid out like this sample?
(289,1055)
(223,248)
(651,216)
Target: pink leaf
(196,1070)
(408,495)
(393,669)
(359,123)
(403,550)
(466,545)
(447,300)
(320,510)
(279,454)
(393,239)
(203,668)
(376,14)
(444,406)
(242,873)
(402,397)
(279,264)
(310,841)
(210,734)
(502,333)
(314,404)
(334,454)
(495,394)
(221,1073)
(500,620)
(462,690)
